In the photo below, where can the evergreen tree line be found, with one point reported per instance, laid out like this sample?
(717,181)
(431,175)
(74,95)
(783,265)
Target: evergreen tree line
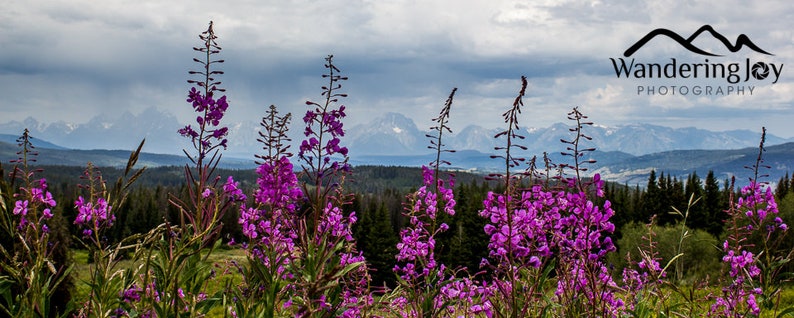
(379,204)
(664,193)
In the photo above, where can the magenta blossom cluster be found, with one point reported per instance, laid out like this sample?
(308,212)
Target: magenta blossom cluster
(93,217)
(635,281)
(431,288)
(323,123)
(334,227)
(583,242)
(416,249)
(278,185)
(759,205)
(232,190)
(743,270)
(131,295)
(759,209)
(520,233)
(526,232)
(466,297)
(271,225)
(278,196)
(211,112)
(333,221)
(38,195)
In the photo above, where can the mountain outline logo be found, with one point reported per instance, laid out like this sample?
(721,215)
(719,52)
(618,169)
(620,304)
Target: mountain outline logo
(741,41)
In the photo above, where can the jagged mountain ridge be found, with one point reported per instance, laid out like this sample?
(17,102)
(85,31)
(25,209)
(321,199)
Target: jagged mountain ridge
(102,132)
(392,134)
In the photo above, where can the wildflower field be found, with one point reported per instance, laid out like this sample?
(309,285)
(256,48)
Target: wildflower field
(551,249)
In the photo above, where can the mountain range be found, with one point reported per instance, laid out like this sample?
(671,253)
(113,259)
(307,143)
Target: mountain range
(395,134)
(624,153)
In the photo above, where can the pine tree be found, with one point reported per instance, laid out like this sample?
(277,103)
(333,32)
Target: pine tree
(381,242)
(678,199)
(713,205)
(637,206)
(617,195)
(666,199)
(698,217)
(782,187)
(651,199)
(465,244)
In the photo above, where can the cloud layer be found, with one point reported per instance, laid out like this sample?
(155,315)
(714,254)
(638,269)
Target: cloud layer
(70,60)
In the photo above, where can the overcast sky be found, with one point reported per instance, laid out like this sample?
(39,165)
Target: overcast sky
(71,60)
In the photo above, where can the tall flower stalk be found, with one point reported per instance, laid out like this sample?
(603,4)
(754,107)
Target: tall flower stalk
(113,290)
(584,284)
(209,137)
(751,270)
(270,226)
(515,250)
(534,231)
(176,273)
(30,275)
(332,277)
(427,288)
(324,159)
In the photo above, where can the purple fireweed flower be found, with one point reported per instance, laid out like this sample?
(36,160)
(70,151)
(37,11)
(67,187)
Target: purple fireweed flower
(522,232)
(188,131)
(21,208)
(232,189)
(419,270)
(131,295)
(270,226)
(416,249)
(464,298)
(208,135)
(93,216)
(526,230)
(760,210)
(324,129)
(583,245)
(37,197)
(40,194)
(330,125)
(334,222)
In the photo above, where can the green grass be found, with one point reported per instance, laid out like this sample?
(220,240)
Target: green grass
(219,259)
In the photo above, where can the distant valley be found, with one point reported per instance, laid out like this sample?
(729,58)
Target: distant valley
(624,154)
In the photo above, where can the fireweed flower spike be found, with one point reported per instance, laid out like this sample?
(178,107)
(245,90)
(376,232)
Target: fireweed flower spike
(32,272)
(35,202)
(583,241)
(328,255)
(751,274)
(530,228)
(179,251)
(324,159)
(94,206)
(429,288)
(512,246)
(270,225)
(207,139)
(209,135)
